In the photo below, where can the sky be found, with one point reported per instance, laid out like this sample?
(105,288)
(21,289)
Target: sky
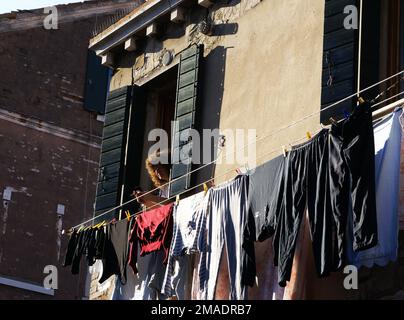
(10,5)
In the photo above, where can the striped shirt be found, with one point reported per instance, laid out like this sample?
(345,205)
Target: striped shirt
(188,234)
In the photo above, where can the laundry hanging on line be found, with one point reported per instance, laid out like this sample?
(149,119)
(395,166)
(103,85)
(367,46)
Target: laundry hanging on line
(349,148)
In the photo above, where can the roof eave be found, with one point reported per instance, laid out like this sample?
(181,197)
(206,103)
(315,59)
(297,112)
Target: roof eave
(131,24)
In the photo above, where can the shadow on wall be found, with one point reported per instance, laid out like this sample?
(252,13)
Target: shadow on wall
(213,71)
(224,29)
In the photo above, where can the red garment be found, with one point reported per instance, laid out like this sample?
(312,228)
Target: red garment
(153,230)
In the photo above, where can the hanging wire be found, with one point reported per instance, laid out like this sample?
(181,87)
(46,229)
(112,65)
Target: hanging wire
(246,145)
(383,93)
(202,183)
(387,99)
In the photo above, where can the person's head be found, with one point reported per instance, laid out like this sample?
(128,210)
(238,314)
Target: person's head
(158,166)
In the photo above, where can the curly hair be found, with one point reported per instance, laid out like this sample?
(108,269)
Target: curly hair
(153,163)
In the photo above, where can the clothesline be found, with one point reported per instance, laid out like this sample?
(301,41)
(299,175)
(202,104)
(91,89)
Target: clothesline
(271,201)
(387,99)
(224,174)
(246,145)
(219,176)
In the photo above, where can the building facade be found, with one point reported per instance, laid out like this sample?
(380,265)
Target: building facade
(271,66)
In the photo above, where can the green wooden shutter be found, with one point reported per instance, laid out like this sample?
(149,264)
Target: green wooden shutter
(185,111)
(113,150)
(339,59)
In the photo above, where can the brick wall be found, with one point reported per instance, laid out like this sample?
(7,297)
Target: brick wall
(49,146)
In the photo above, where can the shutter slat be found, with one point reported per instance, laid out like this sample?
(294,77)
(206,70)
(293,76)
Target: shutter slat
(185,107)
(179,170)
(179,185)
(340,55)
(116,103)
(111,157)
(335,22)
(184,122)
(189,52)
(107,186)
(113,130)
(337,91)
(112,143)
(336,6)
(340,73)
(338,38)
(188,64)
(106,201)
(186,93)
(180,134)
(110,171)
(187,78)
(115,116)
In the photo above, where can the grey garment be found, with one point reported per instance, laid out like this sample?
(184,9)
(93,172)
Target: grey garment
(147,283)
(227,217)
(189,220)
(182,277)
(264,199)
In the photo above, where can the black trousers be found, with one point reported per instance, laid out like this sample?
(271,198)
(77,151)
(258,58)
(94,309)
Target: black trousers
(352,179)
(305,186)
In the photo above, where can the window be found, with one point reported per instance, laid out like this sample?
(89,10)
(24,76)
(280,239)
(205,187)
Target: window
(131,113)
(354,60)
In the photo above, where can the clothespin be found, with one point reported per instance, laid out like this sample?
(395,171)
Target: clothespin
(99,225)
(308,135)
(177,199)
(127,215)
(67,232)
(284,151)
(361,100)
(205,188)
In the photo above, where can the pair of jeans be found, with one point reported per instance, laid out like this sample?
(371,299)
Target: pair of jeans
(387,135)
(189,220)
(226,220)
(352,181)
(305,185)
